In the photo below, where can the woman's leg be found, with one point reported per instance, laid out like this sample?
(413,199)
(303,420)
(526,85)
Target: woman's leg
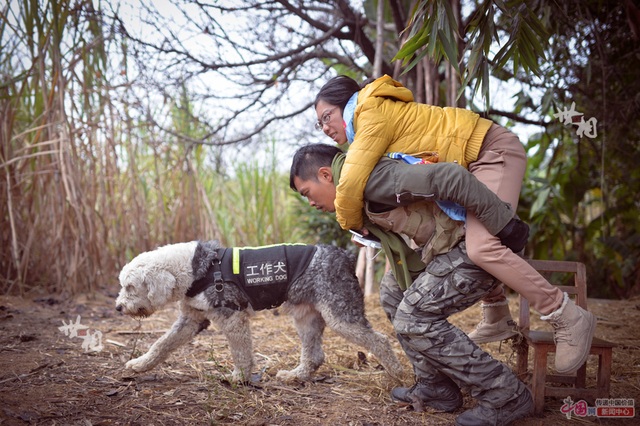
(501,166)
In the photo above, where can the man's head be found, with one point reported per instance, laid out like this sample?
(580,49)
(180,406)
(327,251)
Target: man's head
(311,175)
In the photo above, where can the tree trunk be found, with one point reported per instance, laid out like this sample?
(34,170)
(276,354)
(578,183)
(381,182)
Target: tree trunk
(431,82)
(371,271)
(377,64)
(361,266)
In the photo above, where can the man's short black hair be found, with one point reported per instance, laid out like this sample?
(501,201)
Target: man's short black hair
(308,160)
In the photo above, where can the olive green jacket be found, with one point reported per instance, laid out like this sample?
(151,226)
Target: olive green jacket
(393,184)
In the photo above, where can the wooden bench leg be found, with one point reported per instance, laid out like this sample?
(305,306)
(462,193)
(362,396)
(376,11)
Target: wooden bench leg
(604,373)
(581,377)
(538,379)
(522,360)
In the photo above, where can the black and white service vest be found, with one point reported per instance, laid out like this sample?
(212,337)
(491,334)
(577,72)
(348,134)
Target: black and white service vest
(263,273)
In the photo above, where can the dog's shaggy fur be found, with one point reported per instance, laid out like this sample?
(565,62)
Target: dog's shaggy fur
(327,293)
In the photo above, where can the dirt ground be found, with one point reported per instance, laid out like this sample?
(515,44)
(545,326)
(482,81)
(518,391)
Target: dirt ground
(47,378)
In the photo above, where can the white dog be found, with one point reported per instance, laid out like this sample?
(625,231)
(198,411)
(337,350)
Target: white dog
(212,283)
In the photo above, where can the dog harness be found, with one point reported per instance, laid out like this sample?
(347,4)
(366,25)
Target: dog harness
(262,273)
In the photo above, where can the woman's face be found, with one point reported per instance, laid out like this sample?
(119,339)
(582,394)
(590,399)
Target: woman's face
(331,122)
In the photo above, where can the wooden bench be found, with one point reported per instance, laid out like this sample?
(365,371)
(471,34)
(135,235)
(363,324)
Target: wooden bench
(542,383)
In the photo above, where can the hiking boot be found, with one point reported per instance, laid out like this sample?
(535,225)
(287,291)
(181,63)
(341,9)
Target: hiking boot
(573,329)
(517,408)
(514,235)
(496,323)
(443,395)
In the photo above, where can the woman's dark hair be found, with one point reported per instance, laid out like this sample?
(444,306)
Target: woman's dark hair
(337,91)
(308,160)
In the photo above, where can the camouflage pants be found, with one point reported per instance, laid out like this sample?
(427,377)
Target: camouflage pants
(434,346)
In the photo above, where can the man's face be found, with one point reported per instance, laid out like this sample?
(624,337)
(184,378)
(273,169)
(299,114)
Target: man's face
(321,193)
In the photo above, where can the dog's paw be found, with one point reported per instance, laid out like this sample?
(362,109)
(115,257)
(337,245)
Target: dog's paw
(285,375)
(292,376)
(238,376)
(138,365)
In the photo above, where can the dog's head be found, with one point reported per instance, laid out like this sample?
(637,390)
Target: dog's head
(145,286)
(155,278)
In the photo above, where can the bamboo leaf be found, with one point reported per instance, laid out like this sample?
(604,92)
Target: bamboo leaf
(450,49)
(485,83)
(540,202)
(412,45)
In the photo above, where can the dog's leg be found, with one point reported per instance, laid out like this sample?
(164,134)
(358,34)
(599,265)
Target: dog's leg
(310,326)
(182,331)
(237,330)
(361,333)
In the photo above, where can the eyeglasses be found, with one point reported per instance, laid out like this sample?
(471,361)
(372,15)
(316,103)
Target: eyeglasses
(325,119)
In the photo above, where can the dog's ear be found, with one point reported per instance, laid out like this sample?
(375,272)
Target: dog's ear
(353,260)
(161,285)
(131,276)
(202,257)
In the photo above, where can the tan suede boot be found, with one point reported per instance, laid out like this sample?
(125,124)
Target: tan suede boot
(496,323)
(573,330)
